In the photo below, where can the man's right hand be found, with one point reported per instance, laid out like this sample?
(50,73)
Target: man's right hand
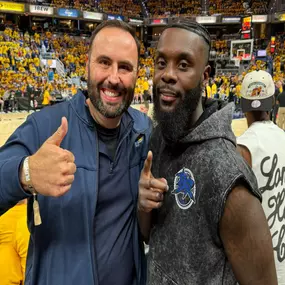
(151,190)
(51,167)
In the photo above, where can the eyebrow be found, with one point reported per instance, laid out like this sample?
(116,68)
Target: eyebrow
(182,55)
(126,62)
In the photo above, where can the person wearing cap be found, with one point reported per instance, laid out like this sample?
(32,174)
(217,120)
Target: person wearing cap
(262,146)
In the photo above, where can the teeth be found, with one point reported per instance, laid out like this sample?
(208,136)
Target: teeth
(110,94)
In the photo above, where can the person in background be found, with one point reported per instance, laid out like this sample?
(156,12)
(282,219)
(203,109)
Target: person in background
(262,146)
(46,98)
(14,240)
(1,104)
(278,90)
(214,90)
(51,75)
(208,90)
(281,110)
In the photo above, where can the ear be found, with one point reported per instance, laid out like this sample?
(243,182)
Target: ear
(206,75)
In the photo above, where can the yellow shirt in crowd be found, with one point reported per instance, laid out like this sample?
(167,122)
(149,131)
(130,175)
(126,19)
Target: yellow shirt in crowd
(46,98)
(14,239)
(209,92)
(214,89)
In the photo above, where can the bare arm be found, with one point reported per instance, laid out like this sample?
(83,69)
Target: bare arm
(245,153)
(246,238)
(145,222)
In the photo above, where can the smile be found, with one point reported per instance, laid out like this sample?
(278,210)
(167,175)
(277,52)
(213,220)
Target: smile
(110,93)
(110,96)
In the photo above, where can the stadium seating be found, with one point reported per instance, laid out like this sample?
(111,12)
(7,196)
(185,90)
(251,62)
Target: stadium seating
(259,7)
(226,7)
(128,8)
(173,8)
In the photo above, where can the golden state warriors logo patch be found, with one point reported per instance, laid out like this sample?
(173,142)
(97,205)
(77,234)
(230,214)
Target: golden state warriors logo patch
(184,189)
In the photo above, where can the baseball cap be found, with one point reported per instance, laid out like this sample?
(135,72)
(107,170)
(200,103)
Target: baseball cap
(256,91)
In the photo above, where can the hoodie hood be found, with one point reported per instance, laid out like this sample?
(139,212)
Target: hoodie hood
(217,125)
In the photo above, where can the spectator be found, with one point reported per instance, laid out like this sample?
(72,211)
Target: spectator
(262,146)
(14,239)
(281,110)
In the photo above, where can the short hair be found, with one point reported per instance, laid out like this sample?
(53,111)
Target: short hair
(115,24)
(260,116)
(193,27)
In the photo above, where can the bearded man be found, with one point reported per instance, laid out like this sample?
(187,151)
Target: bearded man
(78,163)
(199,205)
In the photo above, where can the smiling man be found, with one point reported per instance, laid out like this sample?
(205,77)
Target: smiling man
(203,218)
(79,163)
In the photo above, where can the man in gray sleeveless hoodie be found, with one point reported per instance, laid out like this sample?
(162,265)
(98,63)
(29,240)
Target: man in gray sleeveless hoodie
(204,218)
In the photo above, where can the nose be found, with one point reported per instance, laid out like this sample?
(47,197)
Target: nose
(114,78)
(169,76)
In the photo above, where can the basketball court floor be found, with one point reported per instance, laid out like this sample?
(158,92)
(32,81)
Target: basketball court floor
(9,122)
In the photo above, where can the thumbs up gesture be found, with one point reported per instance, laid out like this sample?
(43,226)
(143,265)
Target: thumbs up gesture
(151,190)
(51,167)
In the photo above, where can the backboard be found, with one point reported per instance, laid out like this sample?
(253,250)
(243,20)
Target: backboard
(241,49)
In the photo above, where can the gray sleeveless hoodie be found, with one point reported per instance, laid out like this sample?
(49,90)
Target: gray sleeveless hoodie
(201,170)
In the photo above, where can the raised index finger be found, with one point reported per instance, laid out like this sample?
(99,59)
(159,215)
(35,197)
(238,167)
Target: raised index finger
(147,165)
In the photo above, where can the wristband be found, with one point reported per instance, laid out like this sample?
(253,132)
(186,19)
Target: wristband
(36,206)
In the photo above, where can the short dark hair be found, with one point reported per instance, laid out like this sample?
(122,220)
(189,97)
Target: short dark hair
(196,28)
(115,24)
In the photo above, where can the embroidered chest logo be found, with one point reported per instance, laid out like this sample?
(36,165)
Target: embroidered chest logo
(184,189)
(139,141)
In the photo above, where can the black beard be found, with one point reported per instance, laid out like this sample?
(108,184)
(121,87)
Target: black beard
(109,111)
(176,124)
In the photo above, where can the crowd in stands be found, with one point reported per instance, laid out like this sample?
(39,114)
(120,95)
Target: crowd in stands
(163,8)
(166,8)
(226,7)
(220,48)
(259,7)
(128,8)
(23,74)
(279,58)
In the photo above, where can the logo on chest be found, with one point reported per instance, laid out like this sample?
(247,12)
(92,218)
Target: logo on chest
(139,141)
(184,189)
